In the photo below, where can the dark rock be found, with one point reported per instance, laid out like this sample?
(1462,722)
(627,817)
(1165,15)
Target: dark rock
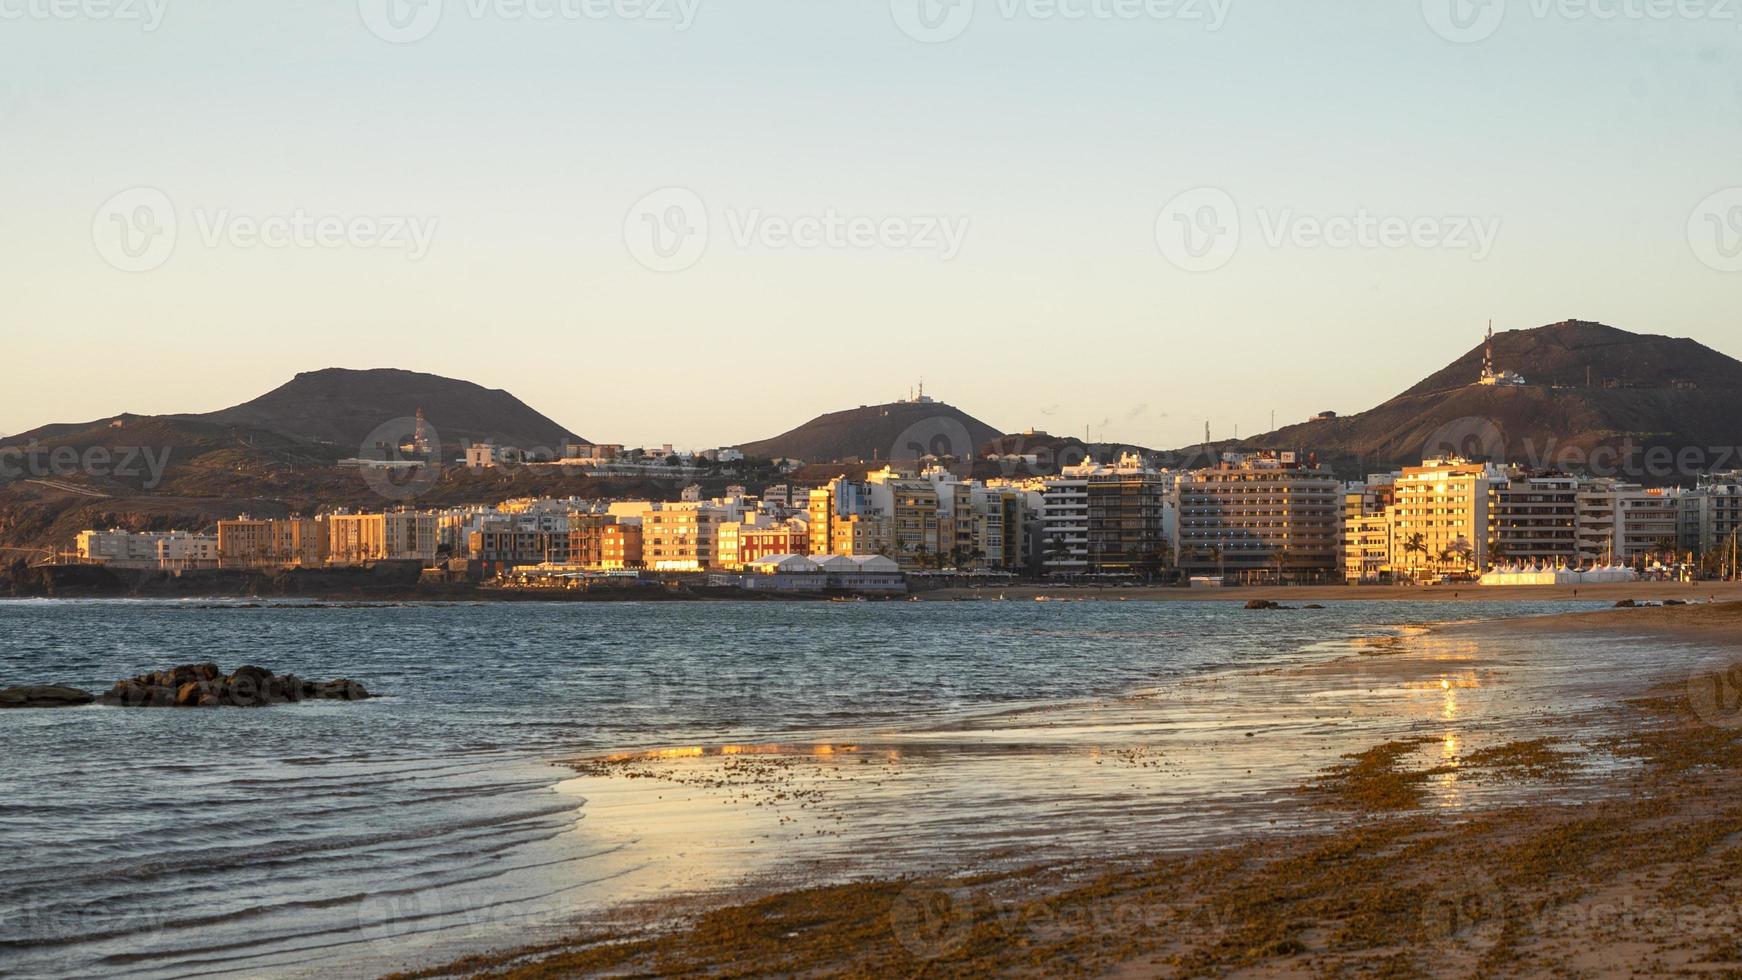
(1262,604)
(1313,606)
(205,686)
(44,697)
(1626,604)
(341,690)
(1675,602)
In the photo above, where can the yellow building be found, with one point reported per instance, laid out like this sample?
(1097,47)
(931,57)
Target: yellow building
(252,543)
(843,521)
(353,539)
(682,537)
(1439,524)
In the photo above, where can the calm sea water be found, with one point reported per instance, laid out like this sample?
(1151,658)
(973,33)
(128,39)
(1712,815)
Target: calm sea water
(325,837)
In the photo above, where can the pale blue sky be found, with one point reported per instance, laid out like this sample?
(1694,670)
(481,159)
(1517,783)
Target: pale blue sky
(1592,143)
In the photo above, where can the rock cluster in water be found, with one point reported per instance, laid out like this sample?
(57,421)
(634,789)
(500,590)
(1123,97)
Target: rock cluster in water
(205,686)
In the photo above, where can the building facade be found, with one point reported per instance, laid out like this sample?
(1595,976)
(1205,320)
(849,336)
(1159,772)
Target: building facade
(1260,517)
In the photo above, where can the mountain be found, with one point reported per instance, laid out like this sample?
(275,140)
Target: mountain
(901,430)
(1588,387)
(347,408)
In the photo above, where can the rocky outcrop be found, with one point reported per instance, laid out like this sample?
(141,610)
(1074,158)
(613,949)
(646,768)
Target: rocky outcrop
(205,686)
(44,697)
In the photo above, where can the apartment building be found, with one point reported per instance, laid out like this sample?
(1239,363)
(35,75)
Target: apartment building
(1440,522)
(759,536)
(508,541)
(1716,512)
(682,537)
(1366,536)
(1660,522)
(161,550)
(1064,517)
(1260,517)
(1002,518)
(621,546)
(277,543)
(844,521)
(1535,520)
(912,509)
(353,539)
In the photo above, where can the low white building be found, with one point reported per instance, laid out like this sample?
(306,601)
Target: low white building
(798,573)
(862,573)
(170,550)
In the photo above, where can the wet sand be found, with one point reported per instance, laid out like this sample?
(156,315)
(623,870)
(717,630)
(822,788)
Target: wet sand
(1475,798)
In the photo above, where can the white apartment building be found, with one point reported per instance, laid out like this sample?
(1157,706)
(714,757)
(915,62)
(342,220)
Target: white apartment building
(1064,517)
(165,550)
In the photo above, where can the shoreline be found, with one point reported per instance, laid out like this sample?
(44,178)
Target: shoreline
(1610,591)
(1295,595)
(1122,914)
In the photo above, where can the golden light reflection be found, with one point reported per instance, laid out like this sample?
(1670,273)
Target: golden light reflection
(1447,782)
(700,751)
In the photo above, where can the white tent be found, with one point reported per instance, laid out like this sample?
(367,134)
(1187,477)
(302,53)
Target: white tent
(1539,574)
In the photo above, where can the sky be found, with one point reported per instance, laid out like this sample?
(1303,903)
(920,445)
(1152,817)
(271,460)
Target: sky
(701,223)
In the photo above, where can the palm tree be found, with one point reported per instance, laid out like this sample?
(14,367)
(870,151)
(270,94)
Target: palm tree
(1413,545)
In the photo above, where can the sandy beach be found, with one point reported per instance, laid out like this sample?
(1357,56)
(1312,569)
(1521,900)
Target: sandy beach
(1448,806)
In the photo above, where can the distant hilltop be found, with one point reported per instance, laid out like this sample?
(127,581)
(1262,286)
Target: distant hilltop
(1574,384)
(342,407)
(899,430)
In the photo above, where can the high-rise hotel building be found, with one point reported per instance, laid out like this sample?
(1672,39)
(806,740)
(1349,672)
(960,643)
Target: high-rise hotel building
(1260,517)
(1440,523)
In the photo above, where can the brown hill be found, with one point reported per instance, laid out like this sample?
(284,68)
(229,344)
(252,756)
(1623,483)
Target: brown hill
(1592,392)
(344,408)
(902,430)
